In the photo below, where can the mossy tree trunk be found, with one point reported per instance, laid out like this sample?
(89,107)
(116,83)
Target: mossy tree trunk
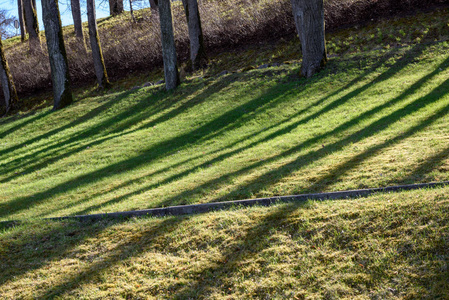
(21,20)
(197,51)
(9,90)
(115,7)
(32,26)
(78,24)
(168,45)
(97,54)
(60,77)
(309,19)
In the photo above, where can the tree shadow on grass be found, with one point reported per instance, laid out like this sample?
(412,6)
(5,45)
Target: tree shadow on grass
(269,178)
(384,76)
(22,252)
(227,121)
(111,128)
(128,248)
(255,240)
(207,131)
(27,119)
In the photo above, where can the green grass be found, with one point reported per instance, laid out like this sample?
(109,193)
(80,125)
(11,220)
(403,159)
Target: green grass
(368,120)
(388,246)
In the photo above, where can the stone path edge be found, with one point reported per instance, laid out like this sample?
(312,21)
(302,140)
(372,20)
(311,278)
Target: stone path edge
(214,206)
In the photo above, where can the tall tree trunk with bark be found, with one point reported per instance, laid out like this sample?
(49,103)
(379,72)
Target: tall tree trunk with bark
(60,77)
(97,54)
(197,52)
(131,10)
(115,7)
(154,4)
(168,45)
(21,20)
(78,24)
(32,26)
(9,90)
(309,18)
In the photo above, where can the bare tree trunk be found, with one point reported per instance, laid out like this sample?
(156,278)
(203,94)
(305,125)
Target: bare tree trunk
(78,24)
(21,21)
(97,54)
(131,10)
(168,45)
(309,18)
(197,52)
(9,90)
(153,4)
(115,7)
(32,26)
(60,77)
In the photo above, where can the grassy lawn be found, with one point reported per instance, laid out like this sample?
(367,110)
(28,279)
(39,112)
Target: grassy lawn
(388,246)
(369,120)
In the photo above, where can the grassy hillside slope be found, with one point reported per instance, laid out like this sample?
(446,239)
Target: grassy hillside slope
(368,120)
(390,246)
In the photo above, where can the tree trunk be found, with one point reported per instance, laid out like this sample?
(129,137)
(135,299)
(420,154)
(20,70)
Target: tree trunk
(309,18)
(115,7)
(78,24)
(131,10)
(197,52)
(168,45)
(60,76)
(9,90)
(32,26)
(21,21)
(153,4)
(97,54)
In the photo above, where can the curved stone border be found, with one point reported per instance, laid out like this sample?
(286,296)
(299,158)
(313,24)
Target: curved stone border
(207,207)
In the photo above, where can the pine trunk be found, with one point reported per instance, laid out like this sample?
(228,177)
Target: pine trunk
(32,26)
(168,45)
(115,7)
(97,54)
(9,90)
(60,76)
(197,52)
(21,20)
(78,24)
(309,18)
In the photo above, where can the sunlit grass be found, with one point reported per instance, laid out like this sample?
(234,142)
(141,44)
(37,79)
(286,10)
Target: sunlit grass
(386,246)
(368,120)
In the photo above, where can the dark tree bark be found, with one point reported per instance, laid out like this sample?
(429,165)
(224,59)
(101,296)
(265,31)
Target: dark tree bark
(78,24)
(115,7)
(168,45)
(153,4)
(309,18)
(62,92)
(32,26)
(9,90)
(21,20)
(197,52)
(97,54)
(131,10)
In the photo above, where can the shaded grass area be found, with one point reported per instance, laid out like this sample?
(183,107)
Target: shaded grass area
(386,246)
(369,120)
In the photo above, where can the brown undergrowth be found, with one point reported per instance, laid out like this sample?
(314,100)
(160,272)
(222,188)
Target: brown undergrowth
(135,47)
